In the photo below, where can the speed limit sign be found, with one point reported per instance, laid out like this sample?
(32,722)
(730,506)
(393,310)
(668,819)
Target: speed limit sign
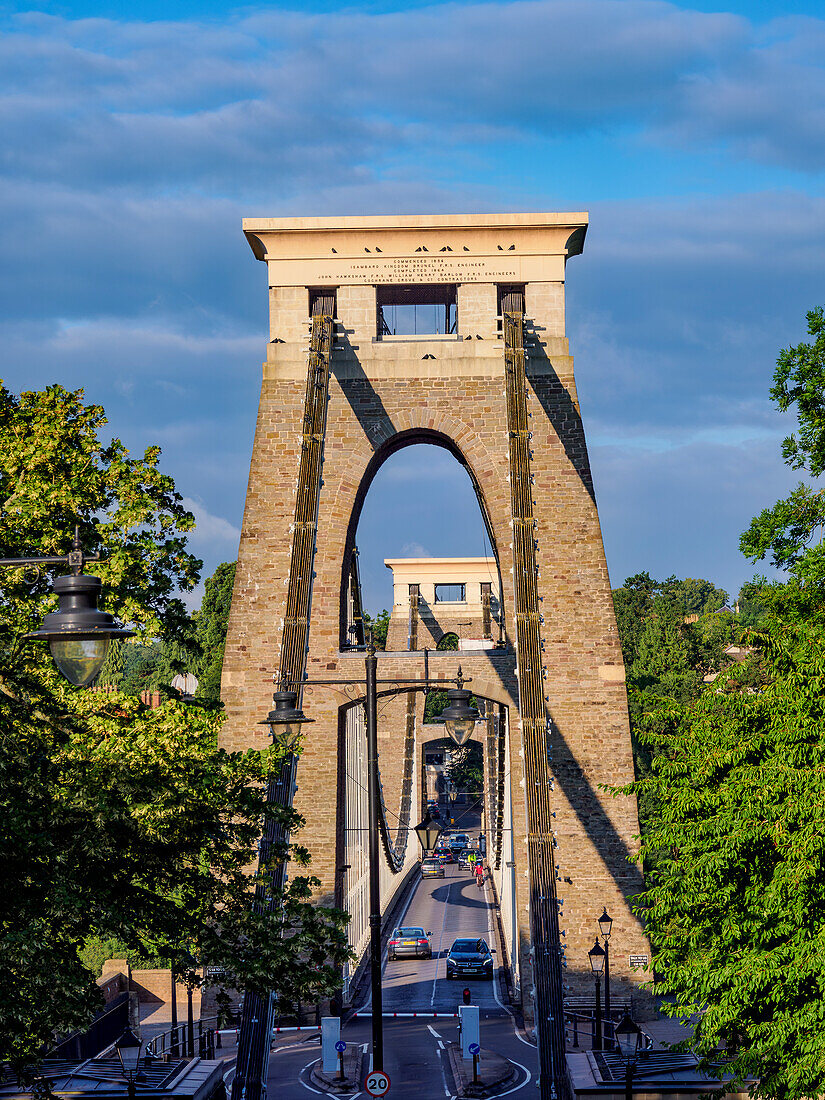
(377,1083)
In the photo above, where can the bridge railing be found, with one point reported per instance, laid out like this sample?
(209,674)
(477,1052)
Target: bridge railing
(175,1043)
(581,1022)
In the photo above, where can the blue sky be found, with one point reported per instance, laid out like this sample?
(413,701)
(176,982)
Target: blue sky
(134,138)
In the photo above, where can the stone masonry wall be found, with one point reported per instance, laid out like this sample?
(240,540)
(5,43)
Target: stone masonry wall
(383,395)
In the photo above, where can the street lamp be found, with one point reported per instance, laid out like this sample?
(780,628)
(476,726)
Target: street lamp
(459,717)
(285,719)
(78,633)
(127,1049)
(605,927)
(597,956)
(428,832)
(629,1038)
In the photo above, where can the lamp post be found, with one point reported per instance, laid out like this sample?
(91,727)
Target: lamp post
(629,1039)
(78,633)
(596,956)
(605,927)
(284,722)
(127,1049)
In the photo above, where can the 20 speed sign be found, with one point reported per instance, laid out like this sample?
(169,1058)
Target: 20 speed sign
(377,1083)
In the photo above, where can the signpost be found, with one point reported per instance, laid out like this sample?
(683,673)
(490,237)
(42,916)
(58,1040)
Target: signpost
(475,1050)
(377,1083)
(341,1046)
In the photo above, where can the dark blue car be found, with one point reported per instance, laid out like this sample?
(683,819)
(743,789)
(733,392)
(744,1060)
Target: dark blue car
(470,959)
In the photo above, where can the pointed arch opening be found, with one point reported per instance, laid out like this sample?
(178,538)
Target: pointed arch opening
(422,515)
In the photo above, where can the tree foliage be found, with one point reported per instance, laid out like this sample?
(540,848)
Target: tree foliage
(118,821)
(735,850)
(210,629)
(379,625)
(466,768)
(785,532)
(734,903)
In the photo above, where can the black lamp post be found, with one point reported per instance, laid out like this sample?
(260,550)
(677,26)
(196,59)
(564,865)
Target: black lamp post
(284,721)
(596,956)
(605,927)
(428,831)
(629,1039)
(127,1049)
(78,633)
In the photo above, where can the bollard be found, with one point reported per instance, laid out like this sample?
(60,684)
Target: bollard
(341,1066)
(475,1069)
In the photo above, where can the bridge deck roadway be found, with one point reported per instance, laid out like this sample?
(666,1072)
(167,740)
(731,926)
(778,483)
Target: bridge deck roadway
(415,1049)
(446,907)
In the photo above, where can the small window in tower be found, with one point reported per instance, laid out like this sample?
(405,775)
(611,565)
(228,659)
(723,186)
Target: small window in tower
(323,299)
(421,309)
(449,593)
(510,297)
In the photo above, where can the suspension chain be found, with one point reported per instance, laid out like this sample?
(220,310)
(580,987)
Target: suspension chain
(544,913)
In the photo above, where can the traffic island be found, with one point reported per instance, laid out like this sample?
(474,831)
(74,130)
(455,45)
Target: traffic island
(493,1072)
(331,1082)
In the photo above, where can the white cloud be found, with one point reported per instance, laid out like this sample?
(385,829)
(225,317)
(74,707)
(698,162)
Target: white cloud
(211,531)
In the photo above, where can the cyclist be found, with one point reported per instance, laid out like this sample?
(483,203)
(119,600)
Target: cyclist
(479,873)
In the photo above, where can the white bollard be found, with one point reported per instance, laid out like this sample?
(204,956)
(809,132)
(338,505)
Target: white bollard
(330,1034)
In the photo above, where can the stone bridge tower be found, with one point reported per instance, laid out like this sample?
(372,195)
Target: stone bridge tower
(446,330)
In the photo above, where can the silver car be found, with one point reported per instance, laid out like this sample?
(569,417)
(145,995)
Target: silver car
(411,941)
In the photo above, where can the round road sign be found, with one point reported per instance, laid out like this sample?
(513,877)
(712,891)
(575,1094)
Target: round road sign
(340,1046)
(474,1048)
(377,1083)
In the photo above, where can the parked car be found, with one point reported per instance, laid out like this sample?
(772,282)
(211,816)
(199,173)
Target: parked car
(413,942)
(470,959)
(432,867)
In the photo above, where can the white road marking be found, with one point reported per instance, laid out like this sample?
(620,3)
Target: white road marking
(440,938)
(443,1073)
(309,1088)
(499,1001)
(440,1045)
(515,1088)
(432,1031)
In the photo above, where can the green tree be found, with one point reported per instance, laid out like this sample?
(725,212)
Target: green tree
(141,664)
(379,625)
(466,768)
(435,701)
(111,675)
(733,905)
(790,532)
(211,623)
(734,893)
(118,821)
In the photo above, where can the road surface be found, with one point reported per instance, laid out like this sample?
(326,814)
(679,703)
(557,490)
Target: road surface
(415,1056)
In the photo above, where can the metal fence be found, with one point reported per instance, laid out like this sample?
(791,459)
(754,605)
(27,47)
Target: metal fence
(178,1042)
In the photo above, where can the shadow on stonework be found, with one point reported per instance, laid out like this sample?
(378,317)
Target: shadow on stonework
(559,409)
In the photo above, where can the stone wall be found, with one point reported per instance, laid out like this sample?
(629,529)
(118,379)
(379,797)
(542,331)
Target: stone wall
(451,394)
